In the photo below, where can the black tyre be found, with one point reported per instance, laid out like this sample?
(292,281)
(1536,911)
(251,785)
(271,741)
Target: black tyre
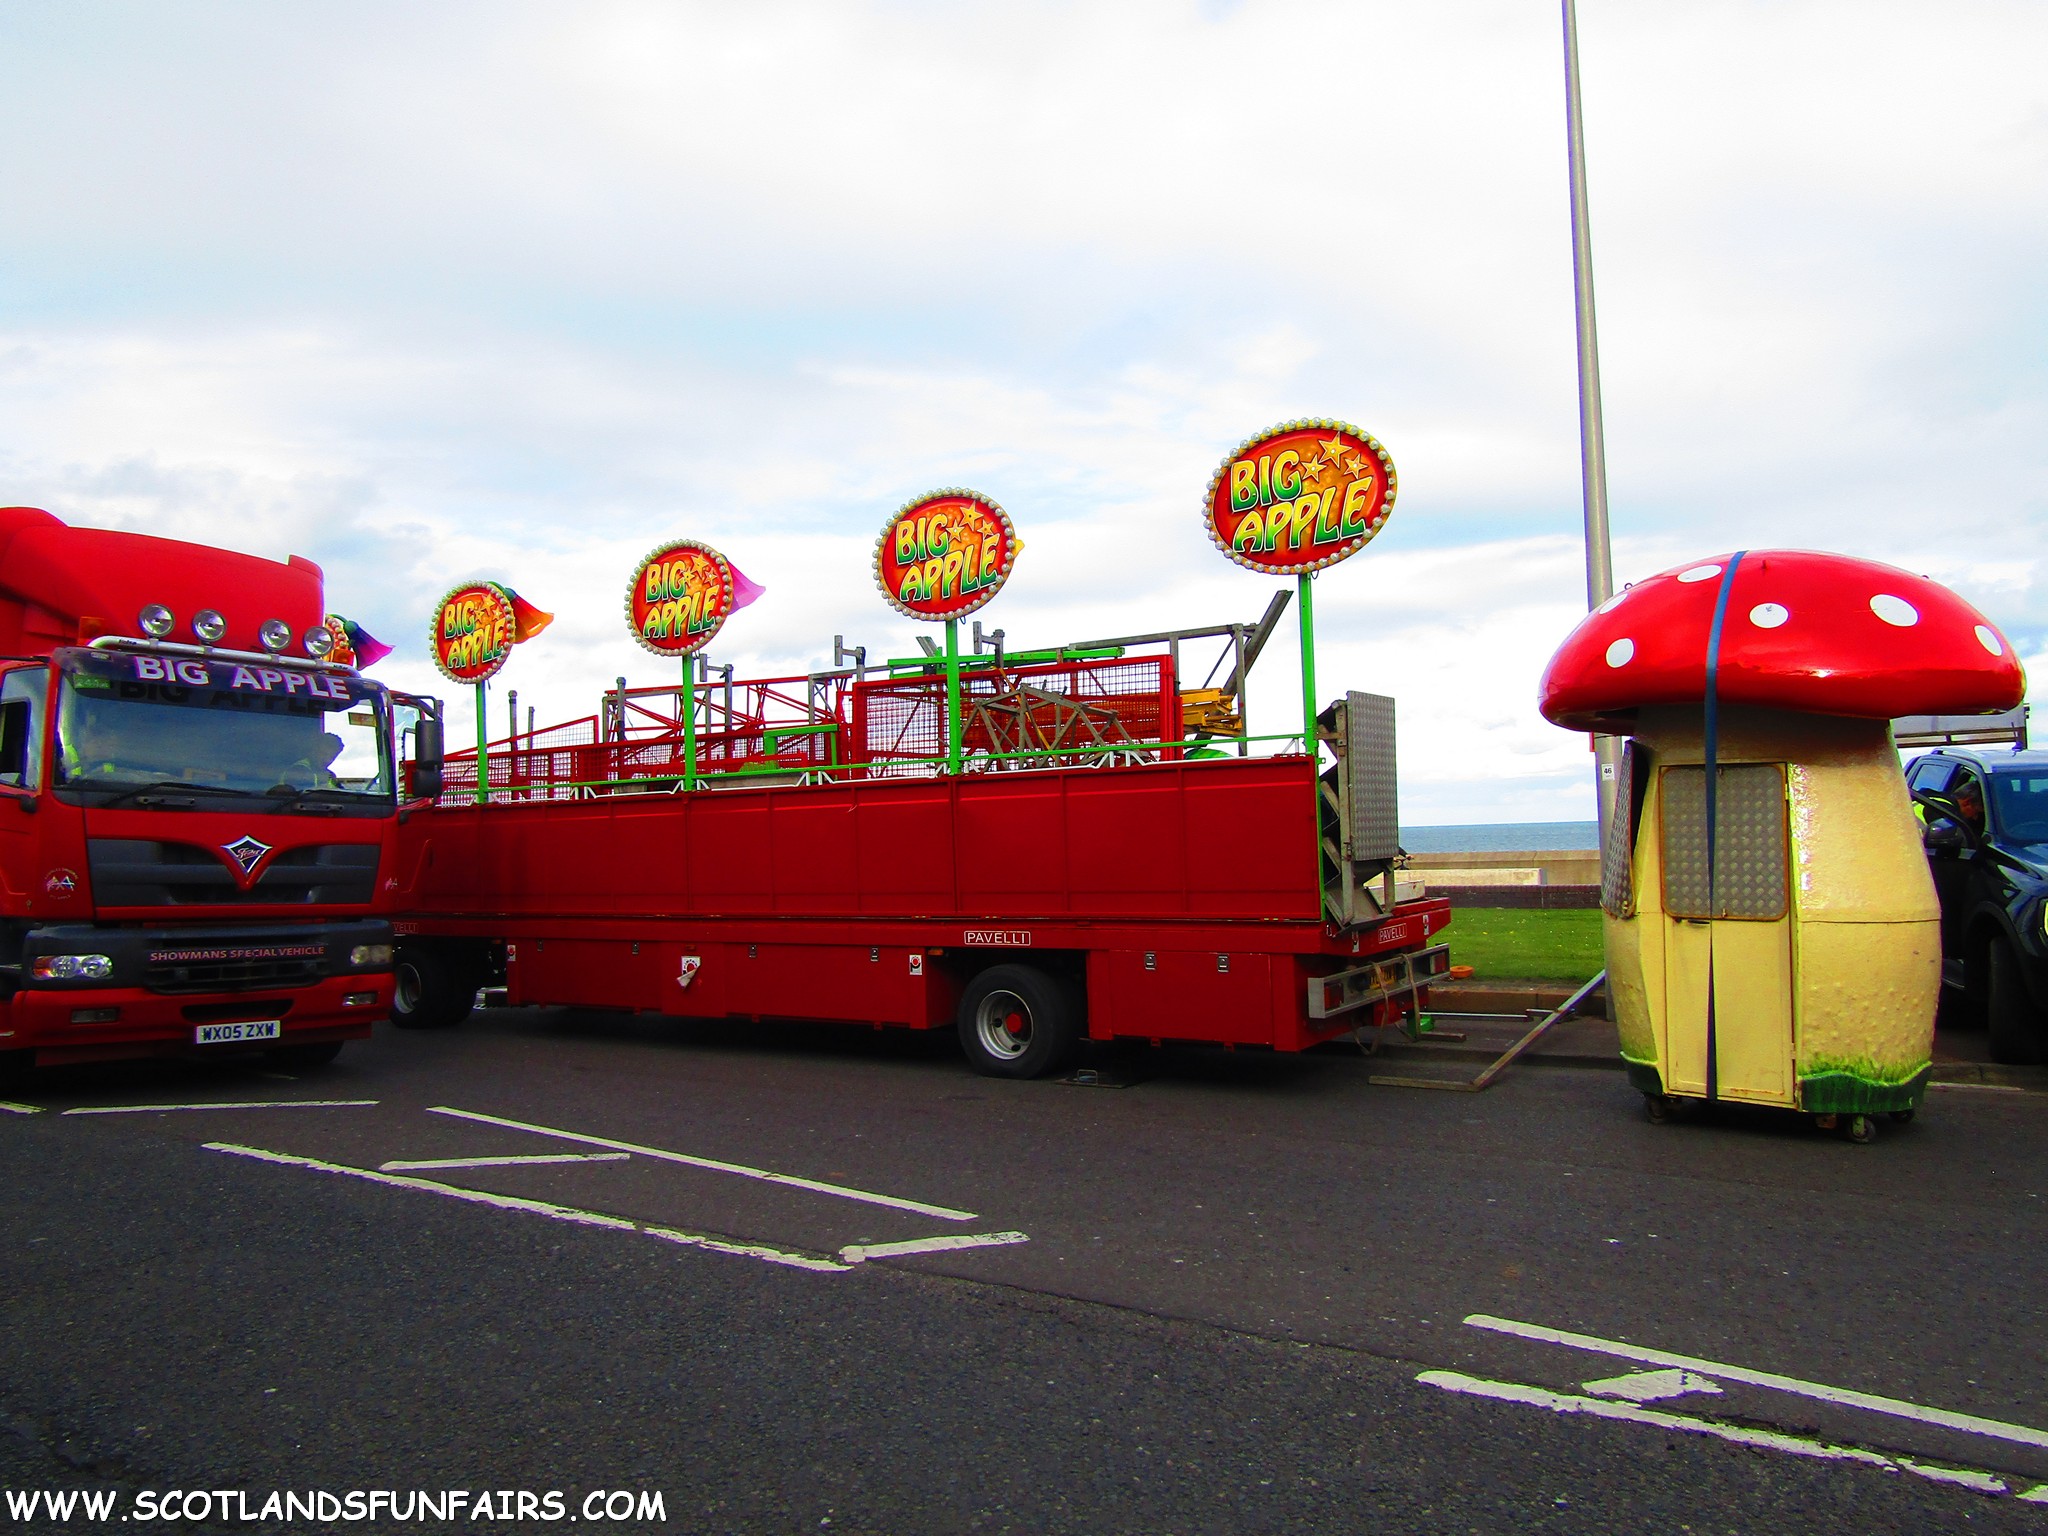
(16,1068)
(303,1058)
(2011,1020)
(1016,1021)
(432,990)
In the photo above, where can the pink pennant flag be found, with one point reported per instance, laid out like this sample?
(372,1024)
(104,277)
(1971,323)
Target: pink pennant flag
(743,590)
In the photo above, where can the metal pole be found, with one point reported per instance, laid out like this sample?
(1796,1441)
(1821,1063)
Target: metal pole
(483,750)
(1306,603)
(688,699)
(952,695)
(1592,442)
(1237,678)
(1308,665)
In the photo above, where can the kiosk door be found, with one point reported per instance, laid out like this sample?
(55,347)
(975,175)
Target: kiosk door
(1728,951)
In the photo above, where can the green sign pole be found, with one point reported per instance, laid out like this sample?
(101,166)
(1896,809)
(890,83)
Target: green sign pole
(483,750)
(1306,601)
(952,695)
(689,697)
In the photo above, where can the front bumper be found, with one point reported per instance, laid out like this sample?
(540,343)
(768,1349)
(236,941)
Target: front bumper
(167,982)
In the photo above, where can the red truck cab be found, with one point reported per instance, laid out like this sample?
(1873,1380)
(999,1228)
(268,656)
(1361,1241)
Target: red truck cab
(195,805)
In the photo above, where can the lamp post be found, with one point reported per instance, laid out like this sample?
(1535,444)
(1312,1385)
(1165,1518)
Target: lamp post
(1592,444)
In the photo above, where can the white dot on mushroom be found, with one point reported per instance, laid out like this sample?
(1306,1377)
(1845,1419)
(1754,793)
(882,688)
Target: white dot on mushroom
(1621,652)
(1769,615)
(1700,573)
(1895,610)
(1988,638)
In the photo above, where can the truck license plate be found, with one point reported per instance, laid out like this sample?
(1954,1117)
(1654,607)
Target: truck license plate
(227,1034)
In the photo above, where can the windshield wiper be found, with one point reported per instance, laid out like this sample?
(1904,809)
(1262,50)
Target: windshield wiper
(147,794)
(290,799)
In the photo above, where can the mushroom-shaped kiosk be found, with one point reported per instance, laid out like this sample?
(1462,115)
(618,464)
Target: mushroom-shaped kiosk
(1771,927)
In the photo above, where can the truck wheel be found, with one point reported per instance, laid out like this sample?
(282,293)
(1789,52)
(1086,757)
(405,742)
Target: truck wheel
(2012,1024)
(303,1058)
(431,990)
(1016,1021)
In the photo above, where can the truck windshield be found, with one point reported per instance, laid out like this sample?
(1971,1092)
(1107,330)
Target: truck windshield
(183,728)
(2021,803)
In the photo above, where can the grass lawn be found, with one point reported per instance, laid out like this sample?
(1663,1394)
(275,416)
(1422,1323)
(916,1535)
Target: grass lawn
(1517,944)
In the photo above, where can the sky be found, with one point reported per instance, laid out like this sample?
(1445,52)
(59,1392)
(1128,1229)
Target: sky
(520,291)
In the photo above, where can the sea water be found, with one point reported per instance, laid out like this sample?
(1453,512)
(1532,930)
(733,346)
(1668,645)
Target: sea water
(1504,837)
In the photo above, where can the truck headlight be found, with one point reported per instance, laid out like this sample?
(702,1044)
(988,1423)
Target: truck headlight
(71,968)
(370,954)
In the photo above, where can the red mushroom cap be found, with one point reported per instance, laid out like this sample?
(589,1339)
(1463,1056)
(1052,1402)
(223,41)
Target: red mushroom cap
(1821,633)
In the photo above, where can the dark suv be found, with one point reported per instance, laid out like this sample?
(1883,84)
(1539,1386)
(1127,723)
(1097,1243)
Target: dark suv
(1985,818)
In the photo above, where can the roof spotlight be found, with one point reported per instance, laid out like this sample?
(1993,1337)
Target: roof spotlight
(209,626)
(156,620)
(275,635)
(319,642)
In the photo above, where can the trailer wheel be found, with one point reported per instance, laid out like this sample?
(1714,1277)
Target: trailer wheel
(431,990)
(1016,1021)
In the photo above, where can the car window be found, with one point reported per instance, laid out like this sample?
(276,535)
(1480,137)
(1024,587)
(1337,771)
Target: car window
(1966,793)
(1930,774)
(2020,802)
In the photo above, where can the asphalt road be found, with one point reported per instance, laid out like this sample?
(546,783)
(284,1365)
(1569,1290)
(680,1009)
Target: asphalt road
(1233,1296)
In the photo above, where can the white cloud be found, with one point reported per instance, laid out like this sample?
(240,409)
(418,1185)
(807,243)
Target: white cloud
(518,290)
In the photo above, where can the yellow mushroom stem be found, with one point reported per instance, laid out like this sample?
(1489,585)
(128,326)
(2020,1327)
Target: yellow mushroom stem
(1822,937)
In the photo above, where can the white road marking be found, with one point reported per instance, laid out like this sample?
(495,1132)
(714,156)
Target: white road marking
(1968,1423)
(1642,1386)
(2038,1494)
(894,1202)
(856,1253)
(157,1109)
(505,1162)
(551,1211)
(1762,1439)
(1981,1087)
(21,1109)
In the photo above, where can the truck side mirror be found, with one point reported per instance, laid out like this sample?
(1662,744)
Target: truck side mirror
(428,752)
(1944,834)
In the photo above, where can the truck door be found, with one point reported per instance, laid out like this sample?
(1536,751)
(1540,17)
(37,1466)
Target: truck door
(22,694)
(1728,956)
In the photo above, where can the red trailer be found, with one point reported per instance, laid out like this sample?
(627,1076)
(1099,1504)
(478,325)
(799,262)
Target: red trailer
(1090,874)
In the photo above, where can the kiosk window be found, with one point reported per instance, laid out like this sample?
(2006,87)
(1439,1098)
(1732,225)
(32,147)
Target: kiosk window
(1750,876)
(1618,856)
